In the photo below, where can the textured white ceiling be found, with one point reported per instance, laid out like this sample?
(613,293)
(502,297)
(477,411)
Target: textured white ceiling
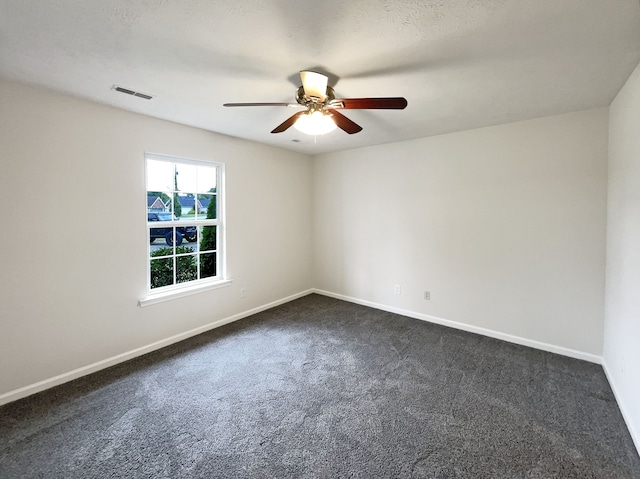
(460,63)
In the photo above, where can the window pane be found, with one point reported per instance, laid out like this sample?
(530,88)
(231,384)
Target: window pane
(186,267)
(186,177)
(212,211)
(158,202)
(206,179)
(186,207)
(206,206)
(208,238)
(190,236)
(168,236)
(159,176)
(161,272)
(208,266)
(207,187)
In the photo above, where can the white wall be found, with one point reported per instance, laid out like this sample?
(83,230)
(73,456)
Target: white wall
(504,225)
(622,312)
(70,280)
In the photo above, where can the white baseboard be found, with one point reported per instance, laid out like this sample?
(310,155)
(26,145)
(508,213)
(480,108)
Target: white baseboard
(635,434)
(120,358)
(572,353)
(112,361)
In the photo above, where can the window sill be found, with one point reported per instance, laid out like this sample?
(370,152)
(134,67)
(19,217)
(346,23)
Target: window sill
(153,298)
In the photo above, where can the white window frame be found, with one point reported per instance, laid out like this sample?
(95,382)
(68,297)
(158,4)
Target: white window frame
(165,293)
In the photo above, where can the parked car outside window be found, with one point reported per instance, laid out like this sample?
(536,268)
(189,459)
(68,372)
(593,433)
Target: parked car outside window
(189,233)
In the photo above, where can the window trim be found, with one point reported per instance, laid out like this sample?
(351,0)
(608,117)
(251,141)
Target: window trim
(180,292)
(166,293)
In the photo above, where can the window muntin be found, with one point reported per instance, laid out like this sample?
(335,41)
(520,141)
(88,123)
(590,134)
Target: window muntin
(184,223)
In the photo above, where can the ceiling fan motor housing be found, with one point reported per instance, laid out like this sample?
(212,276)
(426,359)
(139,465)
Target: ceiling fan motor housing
(306,101)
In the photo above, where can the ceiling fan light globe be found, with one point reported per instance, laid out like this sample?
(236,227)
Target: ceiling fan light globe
(315,123)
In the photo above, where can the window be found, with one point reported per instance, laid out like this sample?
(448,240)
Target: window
(184,222)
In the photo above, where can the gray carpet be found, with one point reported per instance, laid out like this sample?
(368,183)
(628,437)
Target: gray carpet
(323,388)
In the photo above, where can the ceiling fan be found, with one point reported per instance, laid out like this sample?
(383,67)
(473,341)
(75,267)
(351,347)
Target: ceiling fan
(320,114)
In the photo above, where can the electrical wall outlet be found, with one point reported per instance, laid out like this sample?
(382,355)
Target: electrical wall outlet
(396,289)
(427,295)
(243,293)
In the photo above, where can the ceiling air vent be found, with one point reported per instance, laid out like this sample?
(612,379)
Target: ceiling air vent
(131,92)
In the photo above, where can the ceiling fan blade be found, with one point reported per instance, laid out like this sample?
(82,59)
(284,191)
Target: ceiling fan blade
(344,123)
(314,84)
(392,103)
(288,123)
(261,104)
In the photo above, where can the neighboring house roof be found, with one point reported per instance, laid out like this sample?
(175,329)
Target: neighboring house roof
(155,202)
(186,201)
(189,202)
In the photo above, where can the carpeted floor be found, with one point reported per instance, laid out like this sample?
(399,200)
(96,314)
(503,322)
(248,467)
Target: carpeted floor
(320,388)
